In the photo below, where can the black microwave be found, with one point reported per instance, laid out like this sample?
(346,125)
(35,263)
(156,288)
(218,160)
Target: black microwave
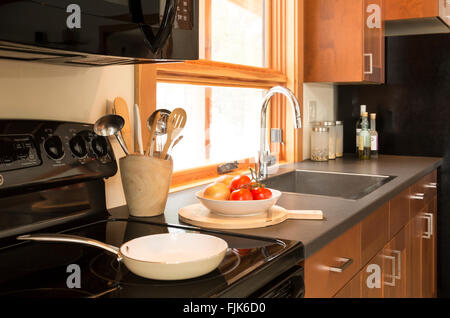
(99,32)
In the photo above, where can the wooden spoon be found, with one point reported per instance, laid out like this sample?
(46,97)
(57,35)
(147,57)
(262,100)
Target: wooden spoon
(121,108)
(175,125)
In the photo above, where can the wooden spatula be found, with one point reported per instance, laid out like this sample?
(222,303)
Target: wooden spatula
(175,124)
(121,108)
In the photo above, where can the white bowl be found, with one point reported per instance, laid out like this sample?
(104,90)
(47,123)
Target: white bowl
(173,256)
(239,208)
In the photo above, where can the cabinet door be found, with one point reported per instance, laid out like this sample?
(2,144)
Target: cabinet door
(395,266)
(373,41)
(329,269)
(429,251)
(411,9)
(414,258)
(399,212)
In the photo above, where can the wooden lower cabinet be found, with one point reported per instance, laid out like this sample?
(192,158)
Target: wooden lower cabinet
(352,289)
(372,277)
(329,269)
(429,251)
(398,257)
(395,264)
(414,258)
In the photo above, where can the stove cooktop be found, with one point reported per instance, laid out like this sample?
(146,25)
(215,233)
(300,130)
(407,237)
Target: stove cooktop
(37,269)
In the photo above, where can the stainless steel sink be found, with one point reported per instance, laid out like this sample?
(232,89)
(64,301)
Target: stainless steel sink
(333,184)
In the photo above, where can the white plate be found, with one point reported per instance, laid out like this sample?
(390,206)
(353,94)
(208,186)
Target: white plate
(239,208)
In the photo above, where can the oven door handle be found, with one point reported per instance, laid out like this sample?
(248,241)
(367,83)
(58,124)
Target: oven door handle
(154,42)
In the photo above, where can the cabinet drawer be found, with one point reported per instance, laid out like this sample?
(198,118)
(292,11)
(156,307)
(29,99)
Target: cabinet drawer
(374,233)
(352,289)
(399,212)
(423,192)
(329,269)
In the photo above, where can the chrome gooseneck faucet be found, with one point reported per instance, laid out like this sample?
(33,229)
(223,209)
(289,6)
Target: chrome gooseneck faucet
(264,152)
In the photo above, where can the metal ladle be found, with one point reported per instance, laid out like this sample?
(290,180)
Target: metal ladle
(110,125)
(157,126)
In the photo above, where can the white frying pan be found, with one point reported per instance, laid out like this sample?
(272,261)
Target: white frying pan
(168,256)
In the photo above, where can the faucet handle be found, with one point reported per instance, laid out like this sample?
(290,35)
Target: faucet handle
(271,160)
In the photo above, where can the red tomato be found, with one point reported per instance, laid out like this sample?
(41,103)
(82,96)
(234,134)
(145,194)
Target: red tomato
(261,194)
(241,195)
(239,182)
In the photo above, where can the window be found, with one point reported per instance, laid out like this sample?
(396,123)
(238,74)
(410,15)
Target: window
(228,131)
(244,51)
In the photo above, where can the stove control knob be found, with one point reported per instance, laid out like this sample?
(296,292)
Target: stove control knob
(100,146)
(54,147)
(78,146)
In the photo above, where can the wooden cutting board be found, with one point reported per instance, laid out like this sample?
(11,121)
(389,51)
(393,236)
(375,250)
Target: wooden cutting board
(198,215)
(121,108)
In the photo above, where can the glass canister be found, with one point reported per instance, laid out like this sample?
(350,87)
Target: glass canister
(332,138)
(319,143)
(339,139)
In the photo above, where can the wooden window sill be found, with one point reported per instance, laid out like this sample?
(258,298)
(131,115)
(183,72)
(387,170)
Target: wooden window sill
(179,176)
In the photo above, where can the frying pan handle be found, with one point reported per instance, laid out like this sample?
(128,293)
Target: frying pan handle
(71,239)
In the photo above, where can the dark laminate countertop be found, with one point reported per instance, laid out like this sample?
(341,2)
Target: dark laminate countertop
(340,214)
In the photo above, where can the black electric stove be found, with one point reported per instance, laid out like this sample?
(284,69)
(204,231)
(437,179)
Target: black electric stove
(51,181)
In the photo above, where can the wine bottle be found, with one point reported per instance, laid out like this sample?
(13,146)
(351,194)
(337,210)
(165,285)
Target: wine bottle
(358,125)
(373,136)
(364,139)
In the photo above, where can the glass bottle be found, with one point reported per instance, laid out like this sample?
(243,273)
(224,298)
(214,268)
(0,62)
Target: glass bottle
(364,139)
(331,125)
(373,136)
(339,138)
(319,144)
(363,108)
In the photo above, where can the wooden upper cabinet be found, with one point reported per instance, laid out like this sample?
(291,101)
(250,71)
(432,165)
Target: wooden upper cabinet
(344,41)
(417,9)
(411,9)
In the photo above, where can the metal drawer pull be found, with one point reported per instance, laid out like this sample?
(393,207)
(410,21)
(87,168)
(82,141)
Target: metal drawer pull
(418,196)
(431,185)
(429,233)
(346,262)
(394,276)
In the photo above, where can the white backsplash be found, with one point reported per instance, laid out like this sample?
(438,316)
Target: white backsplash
(325,98)
(53,92)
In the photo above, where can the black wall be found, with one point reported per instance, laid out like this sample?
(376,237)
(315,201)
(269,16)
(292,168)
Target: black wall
(413,117)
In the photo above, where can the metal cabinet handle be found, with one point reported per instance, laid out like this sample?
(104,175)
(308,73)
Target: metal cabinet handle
(429,233)
(393,276)
(399,264)
(431,185)
(346,262)
(370,55)
(418,196)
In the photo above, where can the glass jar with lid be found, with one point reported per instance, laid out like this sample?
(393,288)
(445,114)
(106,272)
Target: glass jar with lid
(339,138)
(319,143)
(332,138)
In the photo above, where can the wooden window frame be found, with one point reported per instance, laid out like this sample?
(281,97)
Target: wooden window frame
(283,44)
